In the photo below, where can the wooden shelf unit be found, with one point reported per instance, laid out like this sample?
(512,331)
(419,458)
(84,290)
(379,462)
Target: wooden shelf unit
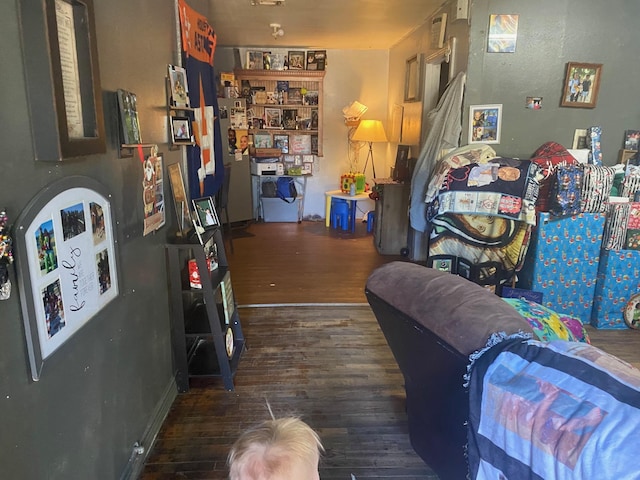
(308,79)
(198,324)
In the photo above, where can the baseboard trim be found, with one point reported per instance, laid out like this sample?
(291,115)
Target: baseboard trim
(263,305)
(134,467)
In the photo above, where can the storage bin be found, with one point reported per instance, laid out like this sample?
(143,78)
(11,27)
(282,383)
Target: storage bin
(277,210)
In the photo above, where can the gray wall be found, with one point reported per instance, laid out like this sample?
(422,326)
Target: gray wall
(103,389)
(552,33)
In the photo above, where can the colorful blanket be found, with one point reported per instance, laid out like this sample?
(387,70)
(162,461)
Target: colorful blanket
(502,187)
(561,410)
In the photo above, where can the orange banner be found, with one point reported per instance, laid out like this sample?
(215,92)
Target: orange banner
(198,37)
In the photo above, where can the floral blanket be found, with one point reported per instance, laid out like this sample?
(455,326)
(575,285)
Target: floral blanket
(561,410)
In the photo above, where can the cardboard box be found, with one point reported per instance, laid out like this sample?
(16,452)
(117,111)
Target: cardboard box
(277,210)
(618,279)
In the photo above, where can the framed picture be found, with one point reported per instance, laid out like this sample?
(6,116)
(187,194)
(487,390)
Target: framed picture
(262,140)
(289,116)
(62,78)
(631,139)
(281,142)
(485,123)
(129,122)
(181,131)
(300,145)
(67,263)
(296,59)
(273,117)
(579,138)
(503,33)
(413,79)
(295,96)
(254,60)
(179,86)
(179,198)
(395,130)
(206,212)
(153,193)
(581,85)
(438,28)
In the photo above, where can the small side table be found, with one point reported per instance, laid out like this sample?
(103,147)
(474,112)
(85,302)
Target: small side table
(353,200)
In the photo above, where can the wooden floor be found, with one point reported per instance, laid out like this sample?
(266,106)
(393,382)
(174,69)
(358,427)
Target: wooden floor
(328,364)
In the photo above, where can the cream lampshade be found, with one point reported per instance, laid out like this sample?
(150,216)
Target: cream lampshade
(370,131)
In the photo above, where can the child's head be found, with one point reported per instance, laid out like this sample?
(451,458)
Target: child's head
(277,449)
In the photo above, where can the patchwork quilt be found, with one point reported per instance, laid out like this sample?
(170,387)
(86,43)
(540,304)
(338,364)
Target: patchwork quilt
(561,410)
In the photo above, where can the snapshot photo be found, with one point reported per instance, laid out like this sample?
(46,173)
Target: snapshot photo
(72,221)
(53,308)
(46,245)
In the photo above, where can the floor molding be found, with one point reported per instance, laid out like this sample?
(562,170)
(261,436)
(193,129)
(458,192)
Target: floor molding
(264,305)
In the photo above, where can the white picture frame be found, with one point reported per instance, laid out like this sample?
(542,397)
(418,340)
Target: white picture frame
(485,123)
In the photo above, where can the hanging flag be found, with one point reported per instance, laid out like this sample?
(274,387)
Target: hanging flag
(205,160)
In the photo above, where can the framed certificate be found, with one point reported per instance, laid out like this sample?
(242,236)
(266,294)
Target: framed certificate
(63,79)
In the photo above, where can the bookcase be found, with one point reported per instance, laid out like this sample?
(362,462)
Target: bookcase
(284,102)
(206,333)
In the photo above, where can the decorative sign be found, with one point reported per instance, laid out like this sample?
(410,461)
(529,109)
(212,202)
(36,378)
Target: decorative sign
(67,265)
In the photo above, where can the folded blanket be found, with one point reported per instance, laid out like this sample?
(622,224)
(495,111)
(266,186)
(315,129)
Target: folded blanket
(561,410)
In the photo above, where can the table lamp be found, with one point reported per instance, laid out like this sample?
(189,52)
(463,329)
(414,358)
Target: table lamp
(370,131)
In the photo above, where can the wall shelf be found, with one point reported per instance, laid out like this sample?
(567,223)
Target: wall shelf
(269,81)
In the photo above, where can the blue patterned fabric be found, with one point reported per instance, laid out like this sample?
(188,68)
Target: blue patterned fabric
(561,410)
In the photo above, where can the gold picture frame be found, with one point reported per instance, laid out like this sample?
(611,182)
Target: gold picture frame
(581,85)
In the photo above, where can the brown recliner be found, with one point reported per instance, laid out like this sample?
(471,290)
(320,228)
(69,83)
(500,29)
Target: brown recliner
(432,322)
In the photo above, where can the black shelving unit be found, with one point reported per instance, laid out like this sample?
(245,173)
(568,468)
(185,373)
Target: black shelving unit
(198,320)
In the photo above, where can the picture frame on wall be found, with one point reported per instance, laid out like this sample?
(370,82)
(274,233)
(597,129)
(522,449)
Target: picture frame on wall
(581,85)
(413,78)
(179,86)
(485,123)
(130,133)
(66,238)
(181,131)
(62,78)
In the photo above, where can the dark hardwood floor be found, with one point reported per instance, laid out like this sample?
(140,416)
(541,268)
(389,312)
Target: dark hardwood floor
(328,364)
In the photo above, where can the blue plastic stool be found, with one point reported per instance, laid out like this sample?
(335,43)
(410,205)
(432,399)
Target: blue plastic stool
(340,213)
(371,217)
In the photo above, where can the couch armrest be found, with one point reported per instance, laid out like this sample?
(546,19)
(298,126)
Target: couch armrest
(460,312)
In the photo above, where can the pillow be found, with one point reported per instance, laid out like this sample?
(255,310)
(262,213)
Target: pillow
(596,188)
(547,324)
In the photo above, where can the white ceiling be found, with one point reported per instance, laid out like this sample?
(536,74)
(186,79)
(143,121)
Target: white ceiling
(326,24)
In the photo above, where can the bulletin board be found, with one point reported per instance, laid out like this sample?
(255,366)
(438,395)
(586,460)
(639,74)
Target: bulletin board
(66,263)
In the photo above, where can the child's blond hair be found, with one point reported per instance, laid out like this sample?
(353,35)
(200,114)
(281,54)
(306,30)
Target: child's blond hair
(271,450)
